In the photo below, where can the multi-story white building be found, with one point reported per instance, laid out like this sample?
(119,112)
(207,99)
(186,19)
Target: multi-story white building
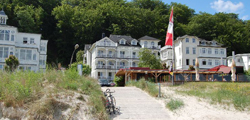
(27,47)
(240,60)
(188,48)
(110,54)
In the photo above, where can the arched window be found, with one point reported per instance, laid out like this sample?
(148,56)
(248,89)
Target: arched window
(152,44)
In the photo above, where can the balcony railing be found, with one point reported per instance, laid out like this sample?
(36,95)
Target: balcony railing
(105,44)
(135,57)
(151,47)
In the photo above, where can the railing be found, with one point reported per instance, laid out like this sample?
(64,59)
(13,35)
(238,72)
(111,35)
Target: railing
(101,77)
(110,78)
(105,44)
(135,57)
(122,67)
(111,67)
(151,47)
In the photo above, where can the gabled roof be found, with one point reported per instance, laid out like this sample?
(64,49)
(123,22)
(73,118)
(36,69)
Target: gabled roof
(116,38)
(148,38)
(2,12)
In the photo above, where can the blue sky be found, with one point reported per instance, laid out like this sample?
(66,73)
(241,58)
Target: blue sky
(241,7)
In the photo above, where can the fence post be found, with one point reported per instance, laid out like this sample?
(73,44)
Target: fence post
(159,95)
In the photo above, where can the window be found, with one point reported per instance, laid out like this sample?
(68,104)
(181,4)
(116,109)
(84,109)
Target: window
(193,40)
(4,52)
(12,35)
(1,34)
(187,50)
(134,54)
(122,63)
(110,54)
(145,44)
(7,35)
(11,53)
(122,54)
(216,51)
(122,42)
(222,51)
(134,64)
(187,61)
(203,50)
(209,62)
(1,66)
(152,44)
(34,56)
(100,52)
(99,74)
(25,40)
(100,63)
(133,42)
(204,62)
(25,54)
(110,74)
(28,54)
(187,40)
(32,40)
(194,62)
(22,54)
(216,62)
(194,50)
(209,51)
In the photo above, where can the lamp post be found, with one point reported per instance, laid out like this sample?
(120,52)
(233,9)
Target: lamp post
(76,46)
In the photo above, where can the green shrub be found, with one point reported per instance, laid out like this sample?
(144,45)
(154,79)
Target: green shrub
(119,81)
(174,104)
(12,62)
(86,70)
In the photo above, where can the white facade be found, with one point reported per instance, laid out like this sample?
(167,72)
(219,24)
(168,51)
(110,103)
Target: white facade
(27,47)
(240,60)
(188,48)
(108,55)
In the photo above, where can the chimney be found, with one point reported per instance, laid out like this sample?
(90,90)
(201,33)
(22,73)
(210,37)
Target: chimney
(103,35)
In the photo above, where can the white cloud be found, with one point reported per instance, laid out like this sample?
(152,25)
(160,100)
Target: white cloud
(227,6)
(245,17)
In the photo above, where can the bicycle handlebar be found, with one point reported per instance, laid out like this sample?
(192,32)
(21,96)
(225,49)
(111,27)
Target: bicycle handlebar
(108,91)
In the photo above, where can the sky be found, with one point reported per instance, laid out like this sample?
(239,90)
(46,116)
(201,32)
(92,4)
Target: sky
(240,7)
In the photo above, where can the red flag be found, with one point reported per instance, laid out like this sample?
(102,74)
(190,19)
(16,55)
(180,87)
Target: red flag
(169,36)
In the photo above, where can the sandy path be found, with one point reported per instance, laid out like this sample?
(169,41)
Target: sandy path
(198,109)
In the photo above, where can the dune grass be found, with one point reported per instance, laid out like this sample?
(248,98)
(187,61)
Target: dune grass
(25,87)
(146,86)
(174,104)
(237,94)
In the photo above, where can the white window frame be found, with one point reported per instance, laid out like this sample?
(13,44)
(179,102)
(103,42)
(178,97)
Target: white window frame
(187,50)
(194,50)
(209,51)
(187,40)
(193,40)
(216,51)
(210,62)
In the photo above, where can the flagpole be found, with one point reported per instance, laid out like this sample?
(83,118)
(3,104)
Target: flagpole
(173,60)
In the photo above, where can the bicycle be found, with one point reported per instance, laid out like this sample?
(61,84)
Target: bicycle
(110,101)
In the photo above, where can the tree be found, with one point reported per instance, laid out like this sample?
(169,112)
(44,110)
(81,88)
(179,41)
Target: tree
(12,63)
(147,59)
(79,56)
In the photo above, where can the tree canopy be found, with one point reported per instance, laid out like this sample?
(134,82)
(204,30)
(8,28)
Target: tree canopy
(68,22)
(147,59)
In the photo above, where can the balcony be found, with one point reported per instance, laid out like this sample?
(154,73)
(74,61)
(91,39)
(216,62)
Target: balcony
(105,44)
(122,67)
(135,57)
(124,56)
(151,47)
(110,78)
(106,56)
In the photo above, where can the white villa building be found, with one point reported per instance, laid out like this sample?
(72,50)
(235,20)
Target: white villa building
(108,55)
(30,50)
(240,60)
(188,48)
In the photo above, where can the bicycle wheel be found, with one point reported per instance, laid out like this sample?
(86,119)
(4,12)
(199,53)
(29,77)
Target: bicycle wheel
(113,103)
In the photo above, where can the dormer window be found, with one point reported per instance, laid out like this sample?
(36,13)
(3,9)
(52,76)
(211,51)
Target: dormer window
(146,43)
(122,42)
(214,43)
(202,43)
(133,42)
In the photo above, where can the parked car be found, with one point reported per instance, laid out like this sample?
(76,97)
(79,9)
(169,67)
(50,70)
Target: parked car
(112,84)
(104,82)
